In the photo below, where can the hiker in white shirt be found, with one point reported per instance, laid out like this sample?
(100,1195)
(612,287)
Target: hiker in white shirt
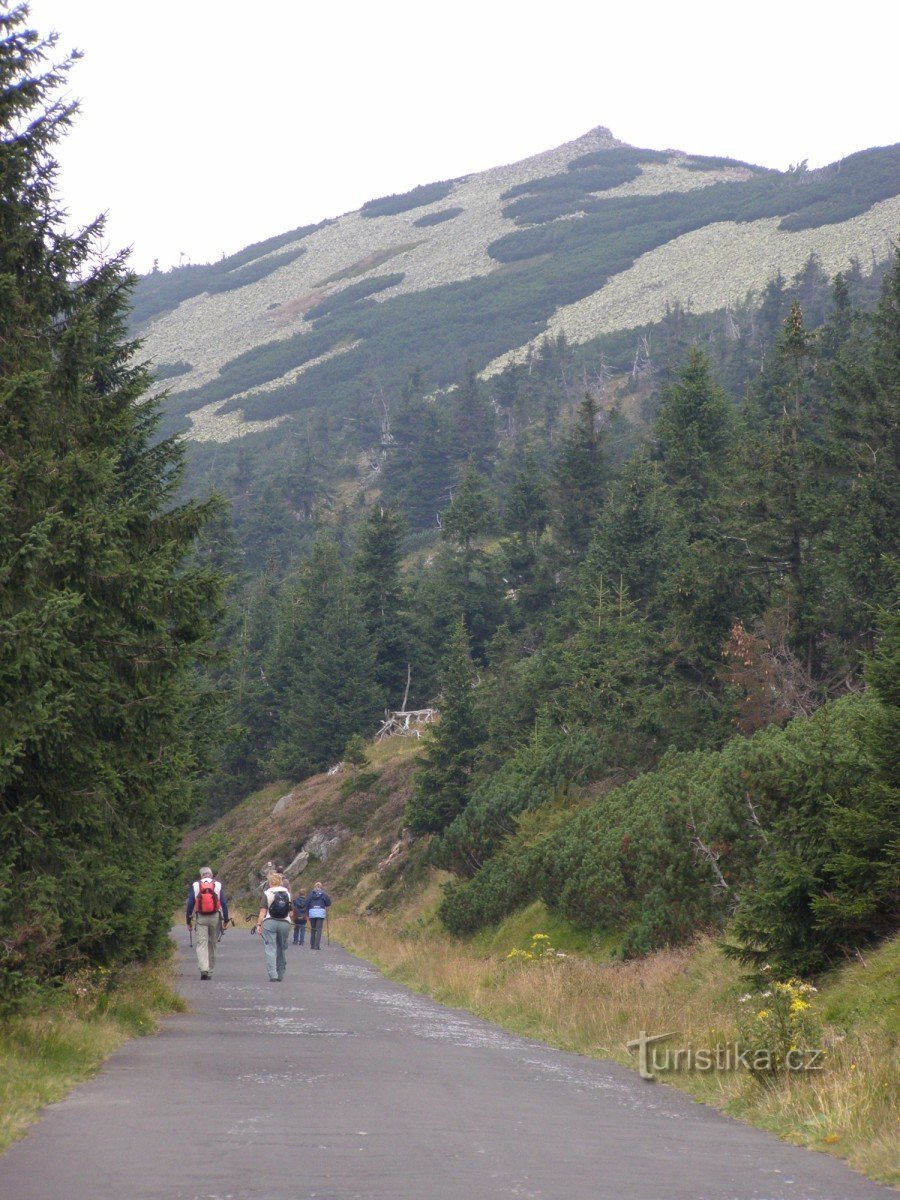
(273,924)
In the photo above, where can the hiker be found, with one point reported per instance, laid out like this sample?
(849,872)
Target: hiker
(299,918)
(317,902)
(273,925)
(207,908)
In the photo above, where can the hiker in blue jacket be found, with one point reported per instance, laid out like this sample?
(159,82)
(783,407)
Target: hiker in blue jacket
(317,902)
(206,912)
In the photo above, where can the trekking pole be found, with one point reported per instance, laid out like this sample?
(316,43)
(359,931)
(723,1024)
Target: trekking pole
(190,935)
(327,930)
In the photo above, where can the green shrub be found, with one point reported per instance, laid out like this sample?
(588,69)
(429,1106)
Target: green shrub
(772,830)
(503,885)
(349,296)
(553,761)
(829,880)
(171,370)
(162,291)
(438,218)
(390,206)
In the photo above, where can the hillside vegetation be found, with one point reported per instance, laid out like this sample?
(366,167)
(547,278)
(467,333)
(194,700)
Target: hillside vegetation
(649,581)
(665,650)
(570,986)
(259,340)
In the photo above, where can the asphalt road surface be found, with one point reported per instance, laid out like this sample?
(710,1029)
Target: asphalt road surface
(337,1085)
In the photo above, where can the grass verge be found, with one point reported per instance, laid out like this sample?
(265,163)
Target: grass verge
(589,1003)
(44,1053)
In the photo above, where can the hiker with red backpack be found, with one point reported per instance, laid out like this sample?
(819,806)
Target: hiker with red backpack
(206,914)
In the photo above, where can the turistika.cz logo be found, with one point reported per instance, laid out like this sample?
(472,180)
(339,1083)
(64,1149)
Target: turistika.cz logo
(723,1056)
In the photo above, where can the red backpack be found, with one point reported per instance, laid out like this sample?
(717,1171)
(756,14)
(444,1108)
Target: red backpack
(207,900)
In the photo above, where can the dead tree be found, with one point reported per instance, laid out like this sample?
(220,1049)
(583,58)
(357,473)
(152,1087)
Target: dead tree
(405,723)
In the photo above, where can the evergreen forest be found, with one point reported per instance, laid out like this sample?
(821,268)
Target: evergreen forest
(658,615)
(105,609)
(650,583)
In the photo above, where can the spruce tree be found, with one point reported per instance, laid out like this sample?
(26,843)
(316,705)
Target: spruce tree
(469,514)
(526,566)
(465,579)
(858,490)
(580,476)
(101,616)
(782,461)
(377,583)
(322,667)
(473,424)
(527,509)
(639,533)
(692,431)
(442,782)
(418,472)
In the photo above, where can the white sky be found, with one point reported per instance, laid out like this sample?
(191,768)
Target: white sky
(209,124)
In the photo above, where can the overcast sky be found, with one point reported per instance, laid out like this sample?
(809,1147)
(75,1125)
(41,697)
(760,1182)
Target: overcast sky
(209,124)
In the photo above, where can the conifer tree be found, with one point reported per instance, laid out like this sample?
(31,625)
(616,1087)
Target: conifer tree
(465,579)
(580,477)
(441,786)
(419,470)
(859,494)
(469,514)
(638,534)
(616,677)
(781,463)
(322,667)
(527,509)
(473,424)
(101,620)
(692,431)
(526,567)
(376,581)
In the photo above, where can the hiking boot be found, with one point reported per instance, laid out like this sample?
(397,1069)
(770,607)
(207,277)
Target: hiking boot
(205,975)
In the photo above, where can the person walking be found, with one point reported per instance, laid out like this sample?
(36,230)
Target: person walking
(206,914)
(317,903)
(273,925)
(299,903)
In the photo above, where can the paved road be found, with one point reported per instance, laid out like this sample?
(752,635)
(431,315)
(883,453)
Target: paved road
(338,1085)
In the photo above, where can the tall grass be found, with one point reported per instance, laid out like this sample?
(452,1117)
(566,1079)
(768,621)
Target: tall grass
(594,1007)
(45,1052)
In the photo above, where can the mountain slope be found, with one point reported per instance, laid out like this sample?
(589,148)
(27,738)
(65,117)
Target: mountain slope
(592,237)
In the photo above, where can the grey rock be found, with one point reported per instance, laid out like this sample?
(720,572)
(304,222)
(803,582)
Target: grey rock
(323,841)
(296,866)
(283,803)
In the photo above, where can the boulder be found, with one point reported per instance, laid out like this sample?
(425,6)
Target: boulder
(323,841)
(295,867)
(283,803)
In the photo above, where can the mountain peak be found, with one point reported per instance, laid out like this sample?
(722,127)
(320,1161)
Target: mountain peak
(589,238)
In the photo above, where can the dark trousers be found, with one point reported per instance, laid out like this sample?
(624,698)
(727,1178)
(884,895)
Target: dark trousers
(315,932)
(299,932)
